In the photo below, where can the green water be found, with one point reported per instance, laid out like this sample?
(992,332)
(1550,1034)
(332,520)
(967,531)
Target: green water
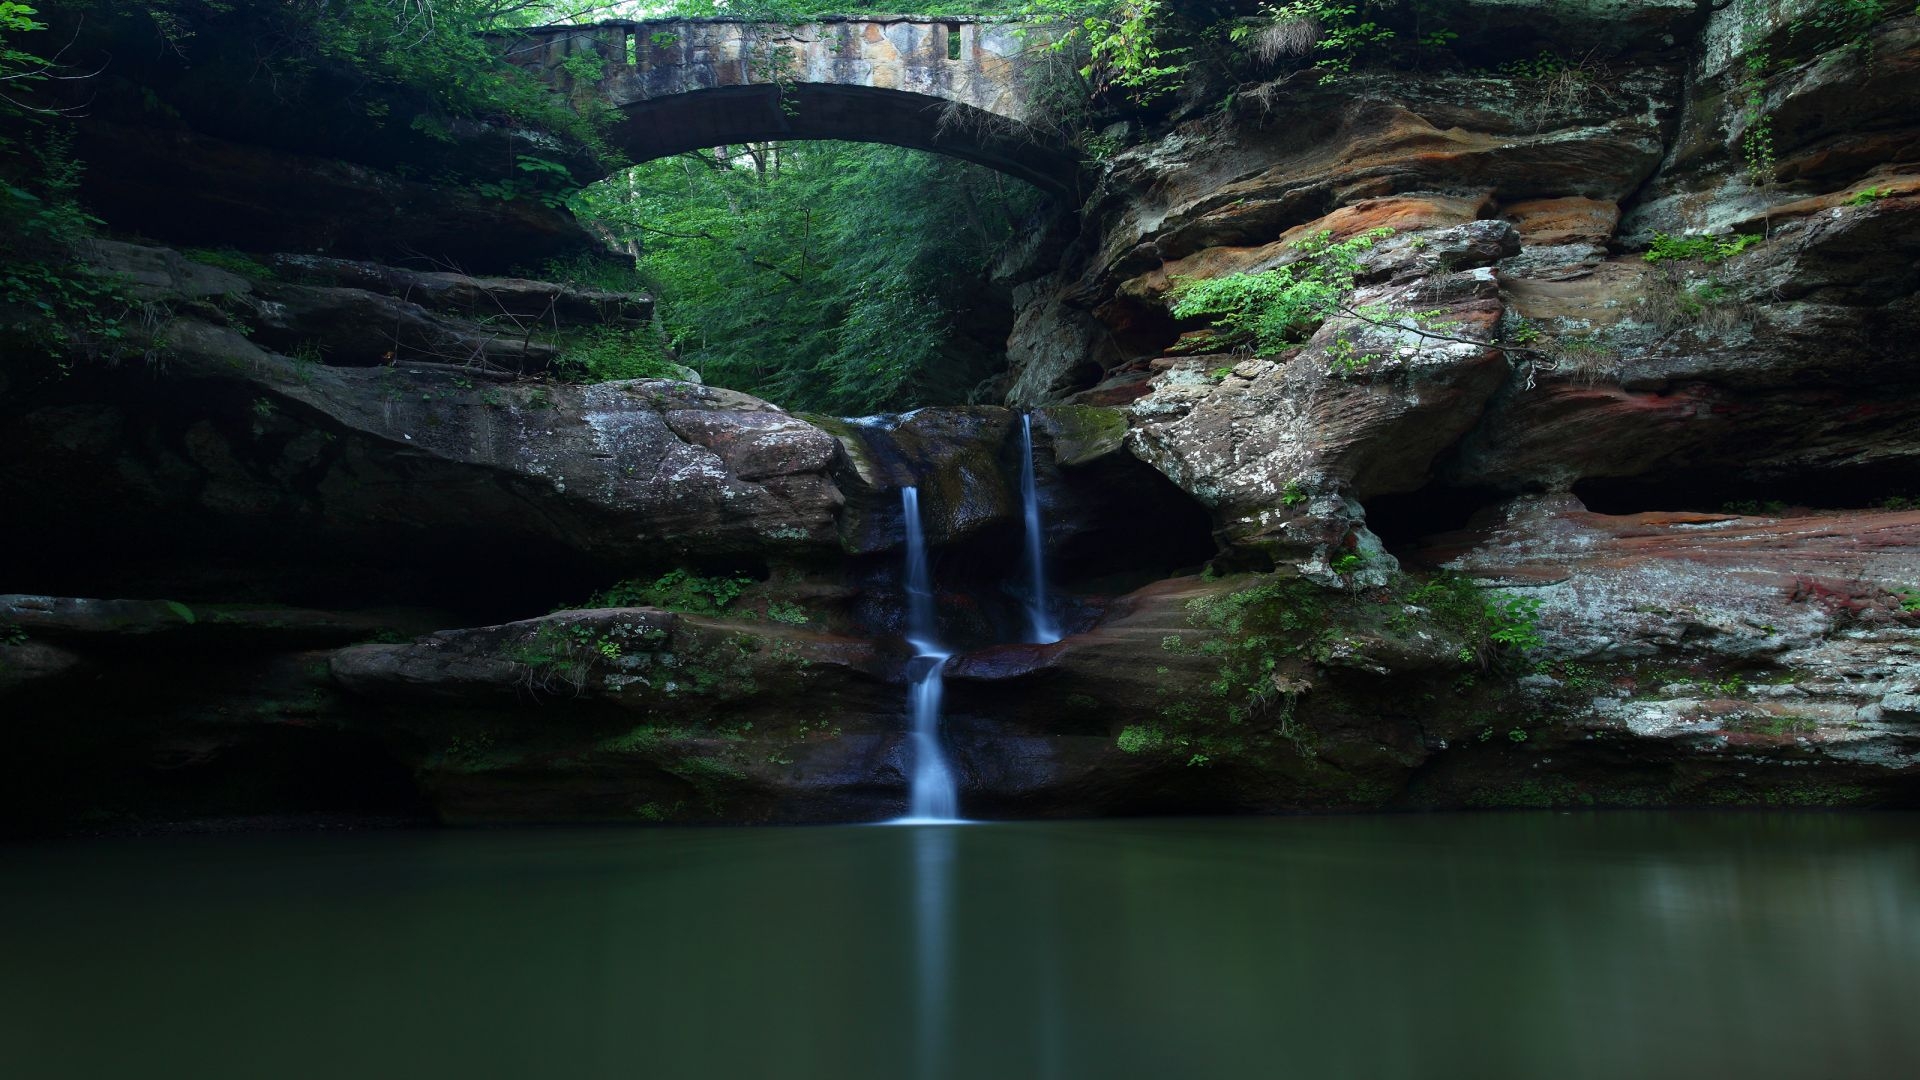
(1532,946)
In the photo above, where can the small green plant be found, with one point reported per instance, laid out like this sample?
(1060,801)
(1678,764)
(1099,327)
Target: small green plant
(1247,633)
(557,655)
(1277,308)
(183,611)
(1344,357)
(1219,373)
(1756,144)
(1335,32)
(1127,48)
(1499,628)
(12,635)
(679,590)
(1869,196)
(1293,494)
(1138,738)
(1350,563)
(1101,146)
(1517,735)
(1709,249)
(1540,68)
(787,612)
(1910,600)
(607,354)
(1515,622)
(584,67)
(232,261)
(307,359)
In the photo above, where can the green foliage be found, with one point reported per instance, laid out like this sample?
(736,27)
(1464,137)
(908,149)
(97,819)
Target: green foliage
(1756,142)
(784,611)
(564,656)
(1512,622)
(676,590)
(1341,31)
(18,68)
(12,635)
(1709,249)
(1277,308)
(1126,44)
(432,47)
(1248,633)
(52,305)
(606,354)
(183,611)
(1838,23)
(1869,196)
(1910,600)
(774,274)
(1350,563)
(233,261)
(1499,628)
(1827,24)
(1293,494)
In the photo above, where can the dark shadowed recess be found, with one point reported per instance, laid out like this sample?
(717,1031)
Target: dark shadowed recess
(1402,521)
(178,734)
(1111,526)
(1715,491)
(164,494)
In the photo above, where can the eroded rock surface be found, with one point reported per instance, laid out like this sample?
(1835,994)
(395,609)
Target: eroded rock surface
(1699,466)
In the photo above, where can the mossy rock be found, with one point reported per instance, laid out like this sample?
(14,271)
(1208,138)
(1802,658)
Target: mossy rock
(1084,433)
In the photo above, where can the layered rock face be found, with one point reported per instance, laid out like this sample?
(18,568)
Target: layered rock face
(1522,210)
(1593,530)
(327,452)
(1765,369)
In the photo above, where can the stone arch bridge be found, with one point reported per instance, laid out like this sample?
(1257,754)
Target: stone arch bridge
(951,86)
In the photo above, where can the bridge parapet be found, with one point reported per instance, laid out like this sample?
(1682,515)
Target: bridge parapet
(971,62)
(950,86)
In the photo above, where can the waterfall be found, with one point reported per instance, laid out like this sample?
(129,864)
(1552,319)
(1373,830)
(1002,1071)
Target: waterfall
(1042,630)
(931,795)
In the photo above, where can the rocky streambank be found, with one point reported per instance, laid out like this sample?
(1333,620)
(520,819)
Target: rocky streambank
(1627,518)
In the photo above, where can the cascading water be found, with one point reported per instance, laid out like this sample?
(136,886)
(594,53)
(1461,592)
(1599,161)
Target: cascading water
(1042,630)
(931,794)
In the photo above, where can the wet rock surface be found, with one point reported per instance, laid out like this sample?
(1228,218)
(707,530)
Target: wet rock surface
(1700,466)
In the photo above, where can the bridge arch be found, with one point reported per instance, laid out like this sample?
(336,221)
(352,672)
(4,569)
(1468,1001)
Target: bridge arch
(949,86)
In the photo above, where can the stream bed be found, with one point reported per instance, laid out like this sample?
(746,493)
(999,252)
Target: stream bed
(1499,945)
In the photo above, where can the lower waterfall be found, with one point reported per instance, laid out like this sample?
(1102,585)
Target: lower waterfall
(931,792)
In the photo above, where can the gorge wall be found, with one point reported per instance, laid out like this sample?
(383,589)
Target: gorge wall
(1606,532)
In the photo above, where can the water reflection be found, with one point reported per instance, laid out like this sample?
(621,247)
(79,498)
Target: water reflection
(932,934)
(1503,946)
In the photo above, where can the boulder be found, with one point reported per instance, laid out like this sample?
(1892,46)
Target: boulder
(636,714)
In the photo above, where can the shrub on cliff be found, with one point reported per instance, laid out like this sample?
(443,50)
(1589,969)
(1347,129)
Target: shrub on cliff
(1273,309)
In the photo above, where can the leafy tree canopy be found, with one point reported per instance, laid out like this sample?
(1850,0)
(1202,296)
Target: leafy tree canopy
(824,275)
